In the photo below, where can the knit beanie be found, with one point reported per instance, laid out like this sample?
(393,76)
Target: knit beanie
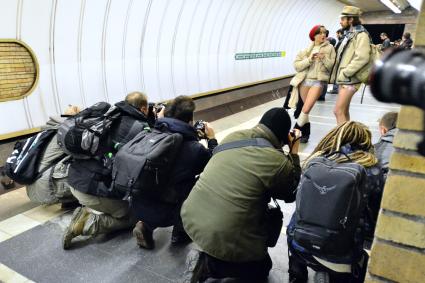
(313,31)
(279,122)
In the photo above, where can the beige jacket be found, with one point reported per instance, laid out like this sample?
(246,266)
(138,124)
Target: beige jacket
(354,56)
(306,68)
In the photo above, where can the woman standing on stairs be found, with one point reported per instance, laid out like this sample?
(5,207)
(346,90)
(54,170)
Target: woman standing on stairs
(314,66)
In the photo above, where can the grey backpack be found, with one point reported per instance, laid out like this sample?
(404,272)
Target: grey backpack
(142,166)
(84,134)
(331,198)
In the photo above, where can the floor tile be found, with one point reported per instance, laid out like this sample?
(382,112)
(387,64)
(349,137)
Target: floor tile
(4,236)
(45,212)
(7,275)
(18,224)
(14,202)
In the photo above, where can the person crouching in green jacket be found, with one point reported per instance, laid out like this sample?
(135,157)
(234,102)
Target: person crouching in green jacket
(225,213)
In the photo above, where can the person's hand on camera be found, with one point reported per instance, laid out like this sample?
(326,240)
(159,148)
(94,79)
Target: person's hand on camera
(294,140)
(160,114)
(209,131)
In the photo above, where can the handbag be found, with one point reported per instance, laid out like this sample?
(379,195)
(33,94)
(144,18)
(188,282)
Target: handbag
(274,223)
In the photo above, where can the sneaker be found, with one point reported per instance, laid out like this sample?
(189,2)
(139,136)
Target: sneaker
(75,227)
(143,236)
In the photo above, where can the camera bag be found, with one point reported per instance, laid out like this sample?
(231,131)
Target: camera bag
(23,164)
(142,166)
(84,134)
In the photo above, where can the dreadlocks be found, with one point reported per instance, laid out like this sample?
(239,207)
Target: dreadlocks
(353,133)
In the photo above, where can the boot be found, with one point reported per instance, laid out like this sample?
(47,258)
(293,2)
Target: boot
(144,236)
(75,227)
(305,130)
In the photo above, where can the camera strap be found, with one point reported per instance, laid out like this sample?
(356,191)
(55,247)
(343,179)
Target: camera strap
(258,142)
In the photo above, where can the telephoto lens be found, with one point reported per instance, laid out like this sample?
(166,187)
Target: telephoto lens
(399,77)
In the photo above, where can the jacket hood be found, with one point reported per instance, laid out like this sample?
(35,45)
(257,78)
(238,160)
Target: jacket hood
(177,126)
(53,122)
(323,44)
(389,136)
(131,110)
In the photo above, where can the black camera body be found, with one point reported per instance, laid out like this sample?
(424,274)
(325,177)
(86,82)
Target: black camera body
(399,77)
(156,106)
(199,125)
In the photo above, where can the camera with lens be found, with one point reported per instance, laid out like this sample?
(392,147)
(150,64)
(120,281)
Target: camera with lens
(156,107)
(199,125)
(399,77)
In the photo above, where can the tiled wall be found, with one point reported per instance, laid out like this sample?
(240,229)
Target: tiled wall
(17,70)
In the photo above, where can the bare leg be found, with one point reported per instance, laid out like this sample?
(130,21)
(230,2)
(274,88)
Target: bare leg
(342,106)
(304,92)
(312,96)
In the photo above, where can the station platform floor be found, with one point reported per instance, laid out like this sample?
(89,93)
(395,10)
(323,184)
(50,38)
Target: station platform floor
(30,236)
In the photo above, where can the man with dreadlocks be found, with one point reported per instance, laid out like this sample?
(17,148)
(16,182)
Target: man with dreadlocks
(349,143)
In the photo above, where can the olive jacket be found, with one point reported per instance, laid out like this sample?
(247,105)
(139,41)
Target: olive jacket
(225,212)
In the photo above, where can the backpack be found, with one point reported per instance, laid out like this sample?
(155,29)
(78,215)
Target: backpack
(83,135)
(23,164)
(330,201)
(375,54)
(142,165)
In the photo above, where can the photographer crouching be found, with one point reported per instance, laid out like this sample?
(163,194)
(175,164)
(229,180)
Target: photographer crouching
(162,208)
(227,213)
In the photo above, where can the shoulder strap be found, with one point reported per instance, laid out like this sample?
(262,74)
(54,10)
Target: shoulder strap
(259,142)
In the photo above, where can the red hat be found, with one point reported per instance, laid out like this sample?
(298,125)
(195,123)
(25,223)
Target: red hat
(313,31)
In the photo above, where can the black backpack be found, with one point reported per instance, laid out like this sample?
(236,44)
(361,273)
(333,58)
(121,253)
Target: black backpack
(84,135)
(142,166)
(23,164)
(330,202)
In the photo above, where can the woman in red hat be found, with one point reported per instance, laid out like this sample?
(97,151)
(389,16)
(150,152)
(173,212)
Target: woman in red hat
(314,66)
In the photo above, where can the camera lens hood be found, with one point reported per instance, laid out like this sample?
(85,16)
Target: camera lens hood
(399,76)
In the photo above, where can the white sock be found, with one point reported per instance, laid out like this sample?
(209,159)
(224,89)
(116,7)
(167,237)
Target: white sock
(302,119)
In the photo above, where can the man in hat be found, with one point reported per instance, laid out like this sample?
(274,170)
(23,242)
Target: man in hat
(225,213)
(352,55)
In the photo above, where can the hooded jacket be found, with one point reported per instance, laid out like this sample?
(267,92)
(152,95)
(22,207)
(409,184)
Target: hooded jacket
(189,163)
(225,212)
(353,54)
(91,176)
(308,69)
(384,148)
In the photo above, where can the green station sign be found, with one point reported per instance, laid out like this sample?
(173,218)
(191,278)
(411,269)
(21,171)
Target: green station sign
(259,55)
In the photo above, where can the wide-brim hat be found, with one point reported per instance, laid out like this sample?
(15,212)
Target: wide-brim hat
(351,11)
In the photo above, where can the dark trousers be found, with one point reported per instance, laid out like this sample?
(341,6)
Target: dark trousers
(155,214)
(247,272)
(298,270)
(324,91)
